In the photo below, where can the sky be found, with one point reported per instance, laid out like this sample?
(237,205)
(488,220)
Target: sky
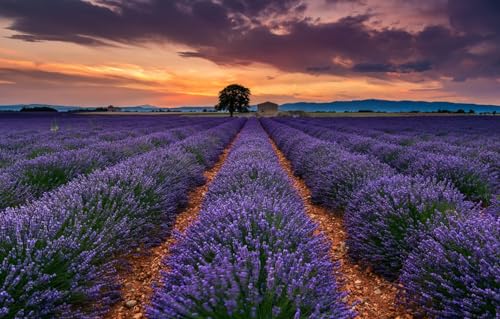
(183,52)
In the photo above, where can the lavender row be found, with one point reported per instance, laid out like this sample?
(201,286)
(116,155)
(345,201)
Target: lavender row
(452,142)
(27,144)
(32,145)
(104,128)
(64,142)
(455,271)
(21,125)
(253,253)
(331,172)
(28,180)
(59,252)
(476,180)
(22,131)
(483,148)
(461,131)
(394,221)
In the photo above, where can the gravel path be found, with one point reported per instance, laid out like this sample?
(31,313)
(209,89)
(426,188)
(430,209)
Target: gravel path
(144,268)
(369,294)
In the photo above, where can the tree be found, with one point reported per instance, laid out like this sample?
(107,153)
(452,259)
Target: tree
(233,98)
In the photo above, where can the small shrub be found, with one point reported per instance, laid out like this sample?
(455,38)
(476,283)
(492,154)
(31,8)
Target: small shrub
(472,178)
(334,184)
(455,272)
(387,218)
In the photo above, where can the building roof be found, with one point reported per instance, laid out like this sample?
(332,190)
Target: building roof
(267,103)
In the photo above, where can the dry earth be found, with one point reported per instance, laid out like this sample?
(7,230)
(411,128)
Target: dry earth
(145,267)
(370,295)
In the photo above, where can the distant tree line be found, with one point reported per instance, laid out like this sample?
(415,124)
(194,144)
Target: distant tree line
(38,109)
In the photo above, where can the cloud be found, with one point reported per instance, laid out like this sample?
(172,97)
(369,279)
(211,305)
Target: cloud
(362,2)
(278,33)
(475,16)
(417,66)
(42,86)
(51,79)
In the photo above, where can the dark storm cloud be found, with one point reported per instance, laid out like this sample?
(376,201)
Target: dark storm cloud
(258,7)
(475,16)
(418,66)
(275,32)
(77,21)
(345,1)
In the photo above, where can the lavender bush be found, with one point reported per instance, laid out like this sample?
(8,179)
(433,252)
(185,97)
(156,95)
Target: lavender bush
(332,173)
(455,272)
(476,176)
(334,184)
(253,253)
(21,144)
(58,253)
(389,216)
(474,179)
(494,208)
(29,179)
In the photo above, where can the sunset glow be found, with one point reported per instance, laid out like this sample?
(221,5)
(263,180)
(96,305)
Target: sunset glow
(140,52)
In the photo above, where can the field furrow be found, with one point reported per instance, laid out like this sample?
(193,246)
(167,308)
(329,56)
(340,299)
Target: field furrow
(249,218)
(144,267)
(370,295)
(29,179)
(253,252)
(60,253)
(408,229)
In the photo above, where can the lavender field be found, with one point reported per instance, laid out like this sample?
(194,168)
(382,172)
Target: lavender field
(136,216)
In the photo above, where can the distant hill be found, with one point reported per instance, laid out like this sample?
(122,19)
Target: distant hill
(386,106)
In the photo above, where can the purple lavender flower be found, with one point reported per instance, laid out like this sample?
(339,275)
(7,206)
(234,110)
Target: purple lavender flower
(253,253)
(334,184)
(58,253)
(455,272)
(389,216)
(472,170)
(29,179)
(475,180)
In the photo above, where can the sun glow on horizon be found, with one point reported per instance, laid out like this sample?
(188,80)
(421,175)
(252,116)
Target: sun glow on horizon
(172,72)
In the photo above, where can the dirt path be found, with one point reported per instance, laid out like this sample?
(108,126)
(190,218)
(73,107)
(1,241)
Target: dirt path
(370,295)
(145,269)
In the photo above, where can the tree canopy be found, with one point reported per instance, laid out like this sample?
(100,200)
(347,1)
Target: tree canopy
(234,98)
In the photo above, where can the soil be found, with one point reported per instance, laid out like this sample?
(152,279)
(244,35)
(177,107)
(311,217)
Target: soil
(145,268)
(370,295)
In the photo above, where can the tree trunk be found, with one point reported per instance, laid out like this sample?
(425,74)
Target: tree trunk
(230,113)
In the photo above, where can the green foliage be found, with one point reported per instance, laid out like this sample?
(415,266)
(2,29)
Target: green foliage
(234,98)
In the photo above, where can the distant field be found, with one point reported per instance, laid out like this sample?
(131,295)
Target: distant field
(382,114)
(163,215)
(308,114)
